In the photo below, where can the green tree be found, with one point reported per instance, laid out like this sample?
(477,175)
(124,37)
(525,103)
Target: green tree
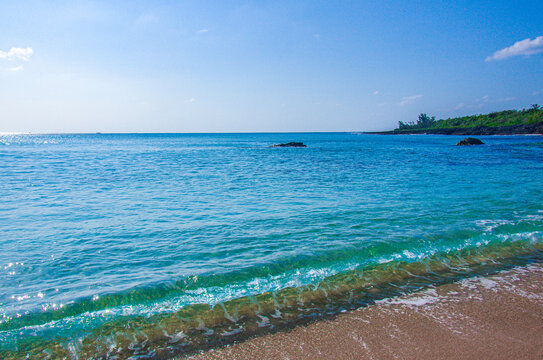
(425,121)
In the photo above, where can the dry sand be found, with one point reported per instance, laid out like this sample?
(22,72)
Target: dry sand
(498,317)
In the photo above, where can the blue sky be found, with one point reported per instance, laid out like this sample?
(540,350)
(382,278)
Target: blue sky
(242,66)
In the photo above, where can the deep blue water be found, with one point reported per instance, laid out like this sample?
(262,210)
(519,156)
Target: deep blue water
(101,229)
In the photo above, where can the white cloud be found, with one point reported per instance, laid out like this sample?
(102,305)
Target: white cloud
(202,31)
(536,93)
(16,53)
(376,92)
(16,68)
(525,47)
(406,100)
(480,102)
(317,36)
(191,100)
(460,106)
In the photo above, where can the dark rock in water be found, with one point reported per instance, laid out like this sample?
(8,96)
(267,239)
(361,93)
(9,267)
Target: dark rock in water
(290,144)
(470,141)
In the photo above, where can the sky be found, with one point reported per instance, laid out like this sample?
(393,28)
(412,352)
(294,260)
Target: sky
(262,66)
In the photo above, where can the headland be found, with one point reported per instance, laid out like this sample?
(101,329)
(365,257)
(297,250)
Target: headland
(508,122)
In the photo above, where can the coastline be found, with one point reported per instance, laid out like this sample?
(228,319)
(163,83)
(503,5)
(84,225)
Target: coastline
(495,317)
(525,129)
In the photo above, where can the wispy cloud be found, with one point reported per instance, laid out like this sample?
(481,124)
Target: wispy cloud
(203,31)
(536,93)
(317,36)
(16,53)
(16,68)
(191,100)
(480,102)
(406,100)
(376,92)
(460,106)
(524,47)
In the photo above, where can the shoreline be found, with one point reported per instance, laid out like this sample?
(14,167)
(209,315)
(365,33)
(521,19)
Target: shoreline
(512,130)
(499,316)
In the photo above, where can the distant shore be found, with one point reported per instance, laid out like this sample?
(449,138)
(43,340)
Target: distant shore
(495,317)
(524,129)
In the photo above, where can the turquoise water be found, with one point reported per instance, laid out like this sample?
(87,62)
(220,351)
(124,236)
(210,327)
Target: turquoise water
(154,245)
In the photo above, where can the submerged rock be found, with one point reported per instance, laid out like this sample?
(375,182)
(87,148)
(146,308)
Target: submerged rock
(290,144)
(470,141)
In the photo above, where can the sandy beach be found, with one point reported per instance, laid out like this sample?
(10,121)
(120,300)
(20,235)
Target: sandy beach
(495,317)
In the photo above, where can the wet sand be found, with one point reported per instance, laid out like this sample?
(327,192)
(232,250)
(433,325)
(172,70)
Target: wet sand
(497,317)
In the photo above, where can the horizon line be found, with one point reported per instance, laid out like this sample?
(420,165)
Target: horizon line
(178,133)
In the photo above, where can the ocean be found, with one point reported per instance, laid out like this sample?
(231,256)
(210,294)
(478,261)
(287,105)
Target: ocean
(158,245)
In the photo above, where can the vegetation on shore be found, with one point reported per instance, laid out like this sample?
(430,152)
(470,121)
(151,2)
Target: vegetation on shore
(507,118)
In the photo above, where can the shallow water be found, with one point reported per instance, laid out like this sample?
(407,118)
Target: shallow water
(154,245)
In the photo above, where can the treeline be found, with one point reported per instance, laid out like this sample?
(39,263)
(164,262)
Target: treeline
(423,122)
(494,119)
